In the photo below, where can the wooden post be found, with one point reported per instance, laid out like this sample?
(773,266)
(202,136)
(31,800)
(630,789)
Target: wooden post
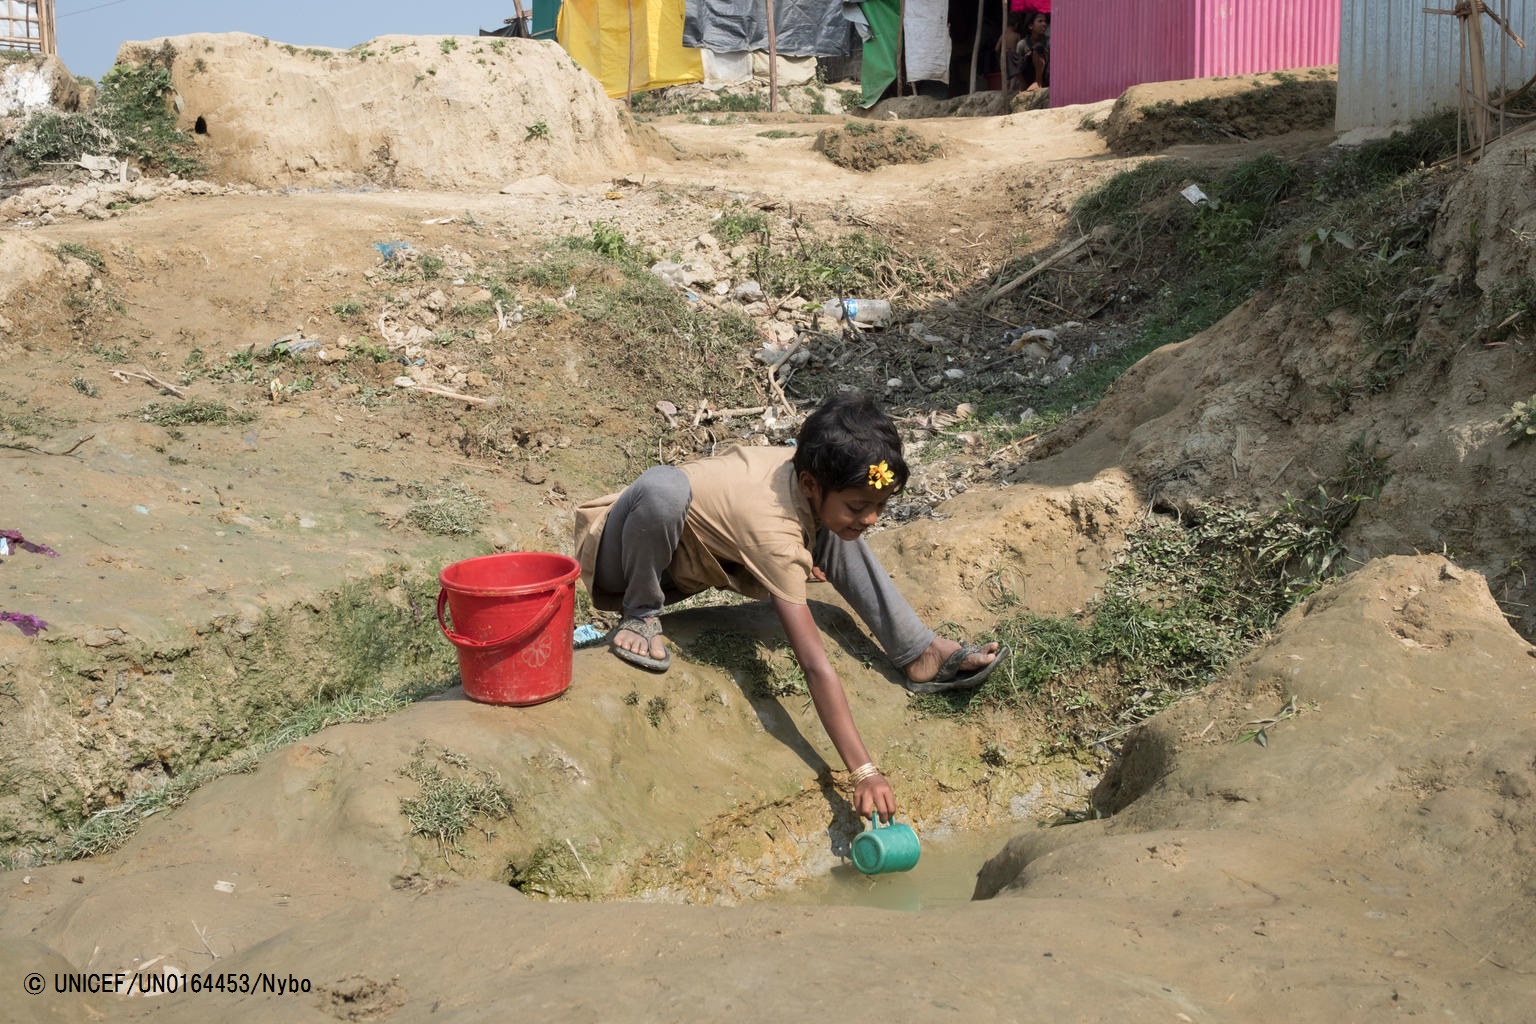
(629,81)
(901,62)
(981,6)
(1480,122)
(1002,58)
(773,61)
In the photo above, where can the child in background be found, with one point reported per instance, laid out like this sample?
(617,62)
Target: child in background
(771,523)
(1035,52)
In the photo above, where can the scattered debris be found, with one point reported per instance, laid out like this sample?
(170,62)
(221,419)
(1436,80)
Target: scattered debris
(127,376)
(30,625)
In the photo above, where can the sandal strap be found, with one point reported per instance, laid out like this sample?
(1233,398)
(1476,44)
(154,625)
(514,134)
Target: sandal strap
(649,630)
(951,667)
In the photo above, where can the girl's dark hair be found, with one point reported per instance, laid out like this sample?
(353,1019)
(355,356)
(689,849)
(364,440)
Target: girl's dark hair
(843,438)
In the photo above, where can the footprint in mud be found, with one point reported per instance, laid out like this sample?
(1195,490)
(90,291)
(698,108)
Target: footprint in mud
(362,998)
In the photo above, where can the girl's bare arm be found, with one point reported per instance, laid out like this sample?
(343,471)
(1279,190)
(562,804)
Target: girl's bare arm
(871,794)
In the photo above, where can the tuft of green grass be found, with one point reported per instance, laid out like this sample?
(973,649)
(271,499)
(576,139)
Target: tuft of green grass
(453,796)
(84,253)
(1520,421)
(179,414)
(452,510)
(737,222)
(608,240)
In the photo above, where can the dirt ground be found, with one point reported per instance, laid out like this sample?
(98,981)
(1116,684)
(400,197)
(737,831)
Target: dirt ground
(1369,860)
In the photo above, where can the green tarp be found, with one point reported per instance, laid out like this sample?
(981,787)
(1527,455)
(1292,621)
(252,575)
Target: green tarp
(879,63)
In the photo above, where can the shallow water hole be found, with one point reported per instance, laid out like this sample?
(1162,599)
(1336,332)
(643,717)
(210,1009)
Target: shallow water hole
(945,875)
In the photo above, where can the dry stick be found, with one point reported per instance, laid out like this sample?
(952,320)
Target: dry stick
(778,391)
(706,414)
(1036,270)
(43,451)
(433,389)
(142,374)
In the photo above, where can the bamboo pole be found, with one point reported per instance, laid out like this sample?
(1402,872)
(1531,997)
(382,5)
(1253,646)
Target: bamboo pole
(773,61)
(1480,122)
(1002,56)
(981,6)
(47,27)
(629,81)
(1475,107)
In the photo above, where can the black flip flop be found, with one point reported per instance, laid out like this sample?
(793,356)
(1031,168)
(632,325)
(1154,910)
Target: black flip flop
(949,679)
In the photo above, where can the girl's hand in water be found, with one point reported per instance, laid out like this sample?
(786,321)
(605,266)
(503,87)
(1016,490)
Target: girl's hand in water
(874,794)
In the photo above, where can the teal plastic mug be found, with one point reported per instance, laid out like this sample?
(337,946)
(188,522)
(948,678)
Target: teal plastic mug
(881,849)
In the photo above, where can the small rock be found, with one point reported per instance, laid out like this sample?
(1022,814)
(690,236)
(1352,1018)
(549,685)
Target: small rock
(95,636)
(534,473)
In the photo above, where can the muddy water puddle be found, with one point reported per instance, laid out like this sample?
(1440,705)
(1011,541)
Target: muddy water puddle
(945,875)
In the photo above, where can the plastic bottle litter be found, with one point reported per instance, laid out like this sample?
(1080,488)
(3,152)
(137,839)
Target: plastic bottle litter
(871,312)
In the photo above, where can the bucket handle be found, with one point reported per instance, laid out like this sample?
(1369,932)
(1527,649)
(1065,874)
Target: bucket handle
(538,623)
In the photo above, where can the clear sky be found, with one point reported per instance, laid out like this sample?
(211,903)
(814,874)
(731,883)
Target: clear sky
(90,31)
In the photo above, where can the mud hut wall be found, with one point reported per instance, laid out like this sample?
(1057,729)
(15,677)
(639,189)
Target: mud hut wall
(1099,50)
(1398,62)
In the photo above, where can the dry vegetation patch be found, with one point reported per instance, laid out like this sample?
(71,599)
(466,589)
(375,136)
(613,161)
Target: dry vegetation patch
(865,146)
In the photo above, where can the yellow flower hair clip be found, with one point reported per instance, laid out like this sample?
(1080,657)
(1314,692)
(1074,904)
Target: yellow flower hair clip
(880,475)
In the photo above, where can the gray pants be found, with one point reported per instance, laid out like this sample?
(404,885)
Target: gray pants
(645,526)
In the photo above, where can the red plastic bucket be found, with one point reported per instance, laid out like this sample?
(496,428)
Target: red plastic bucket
(513,616)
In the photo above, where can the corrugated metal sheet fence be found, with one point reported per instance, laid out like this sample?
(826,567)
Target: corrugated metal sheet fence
(1398,62)
(1100,48)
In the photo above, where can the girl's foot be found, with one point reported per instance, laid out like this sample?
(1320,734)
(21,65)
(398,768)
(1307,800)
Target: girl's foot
(948,665)
(638,641)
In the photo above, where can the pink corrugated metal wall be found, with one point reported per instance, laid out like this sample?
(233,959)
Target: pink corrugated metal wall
(1100,48)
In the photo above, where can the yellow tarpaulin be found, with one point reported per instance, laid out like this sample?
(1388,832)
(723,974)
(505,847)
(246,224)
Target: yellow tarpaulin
(598,35)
